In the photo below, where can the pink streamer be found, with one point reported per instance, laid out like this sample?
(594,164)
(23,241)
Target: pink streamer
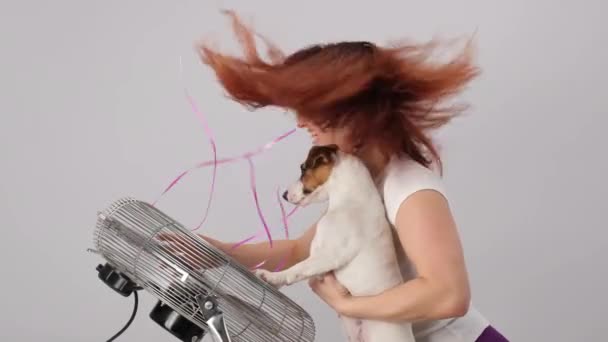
(283,215)
(213,146)
(215,162)
(228,160)
(259,234)
(257,202)
(285,226)
(283,260)
(240,243)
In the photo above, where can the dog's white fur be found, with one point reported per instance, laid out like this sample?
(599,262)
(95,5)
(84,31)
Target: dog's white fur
(353,239)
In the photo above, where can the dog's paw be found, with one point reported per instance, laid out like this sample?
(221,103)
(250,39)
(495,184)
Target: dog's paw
(260,273)
(273,278)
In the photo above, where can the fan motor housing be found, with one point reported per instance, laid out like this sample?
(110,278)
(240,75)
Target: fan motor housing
(116,280)
(175,323)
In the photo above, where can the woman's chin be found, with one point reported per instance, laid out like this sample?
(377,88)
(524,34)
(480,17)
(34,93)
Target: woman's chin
(316,141)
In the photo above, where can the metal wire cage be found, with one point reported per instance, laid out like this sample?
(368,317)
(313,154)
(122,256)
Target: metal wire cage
(191,276)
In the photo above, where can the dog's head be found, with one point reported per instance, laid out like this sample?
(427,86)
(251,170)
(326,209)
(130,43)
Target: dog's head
(315,172)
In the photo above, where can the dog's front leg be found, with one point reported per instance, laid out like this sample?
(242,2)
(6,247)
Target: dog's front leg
(315,265)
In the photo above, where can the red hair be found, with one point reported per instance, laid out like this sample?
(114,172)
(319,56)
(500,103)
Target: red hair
(386,95)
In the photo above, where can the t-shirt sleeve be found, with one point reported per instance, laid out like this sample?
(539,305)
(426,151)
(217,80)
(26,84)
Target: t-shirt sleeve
(405,179)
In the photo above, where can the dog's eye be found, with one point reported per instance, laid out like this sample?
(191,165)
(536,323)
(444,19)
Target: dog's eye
(306,191)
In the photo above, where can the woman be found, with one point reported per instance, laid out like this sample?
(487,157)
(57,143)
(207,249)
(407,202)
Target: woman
(379,104)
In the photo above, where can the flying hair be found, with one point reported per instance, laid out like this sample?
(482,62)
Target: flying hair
(391,96)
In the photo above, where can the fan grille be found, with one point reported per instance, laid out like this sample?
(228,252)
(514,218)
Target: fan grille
(127,236)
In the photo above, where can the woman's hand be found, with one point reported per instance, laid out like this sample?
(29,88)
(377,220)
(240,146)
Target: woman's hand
(188,250)
(329,289)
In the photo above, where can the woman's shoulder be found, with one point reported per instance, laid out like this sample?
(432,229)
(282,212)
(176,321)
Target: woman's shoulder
(404,177)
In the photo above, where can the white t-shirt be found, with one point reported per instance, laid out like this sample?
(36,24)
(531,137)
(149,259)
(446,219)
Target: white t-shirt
(401,178)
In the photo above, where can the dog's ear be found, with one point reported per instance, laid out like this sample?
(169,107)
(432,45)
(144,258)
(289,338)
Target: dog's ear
(321,155)
(319,160)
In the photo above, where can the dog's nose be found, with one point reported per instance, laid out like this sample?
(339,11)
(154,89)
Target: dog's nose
(285,195)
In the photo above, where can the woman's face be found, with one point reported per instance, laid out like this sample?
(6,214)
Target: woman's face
(325,136)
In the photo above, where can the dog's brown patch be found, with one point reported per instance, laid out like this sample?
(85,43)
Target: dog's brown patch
(317,167)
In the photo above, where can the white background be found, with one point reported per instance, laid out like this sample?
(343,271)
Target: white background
(92,110)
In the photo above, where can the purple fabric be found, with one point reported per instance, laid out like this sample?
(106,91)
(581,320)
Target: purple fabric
(491,335)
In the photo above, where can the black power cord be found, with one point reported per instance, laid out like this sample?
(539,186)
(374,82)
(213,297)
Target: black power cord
(122,285)
(136,302)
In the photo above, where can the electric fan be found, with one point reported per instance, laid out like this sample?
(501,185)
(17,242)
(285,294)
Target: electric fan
(199,288)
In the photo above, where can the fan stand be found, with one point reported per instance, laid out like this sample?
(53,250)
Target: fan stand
(144,251)
(214,318)
(168,318)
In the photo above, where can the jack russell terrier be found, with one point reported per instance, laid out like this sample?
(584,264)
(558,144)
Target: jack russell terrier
(353,238)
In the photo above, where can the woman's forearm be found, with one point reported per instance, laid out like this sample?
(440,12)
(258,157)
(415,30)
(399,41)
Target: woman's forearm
(280,254)
(414,300)
(284,253)
(250,255)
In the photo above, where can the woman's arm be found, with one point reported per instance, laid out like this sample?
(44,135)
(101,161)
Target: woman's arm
(252,254)
(428,233)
